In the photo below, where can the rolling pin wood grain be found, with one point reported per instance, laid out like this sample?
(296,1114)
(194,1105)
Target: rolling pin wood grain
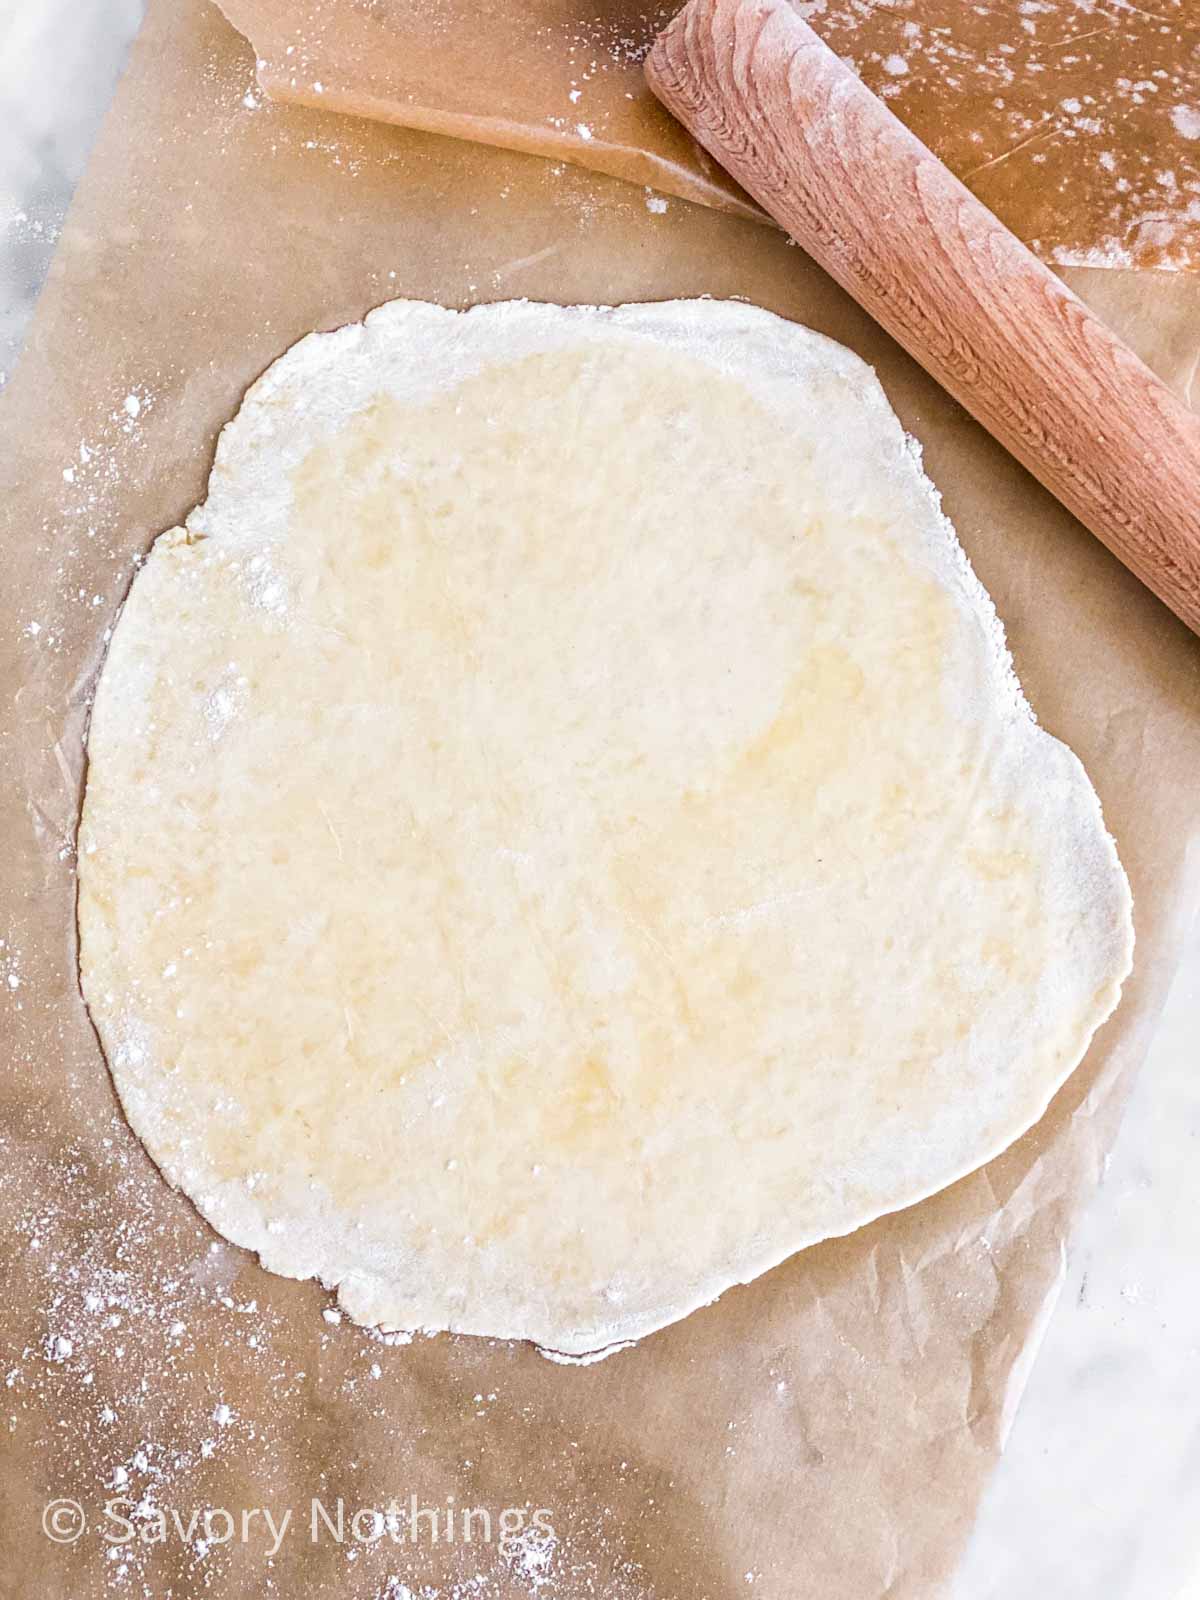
(799,130)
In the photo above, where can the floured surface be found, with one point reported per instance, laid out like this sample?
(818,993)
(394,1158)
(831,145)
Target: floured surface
(562,833)
(1076,121)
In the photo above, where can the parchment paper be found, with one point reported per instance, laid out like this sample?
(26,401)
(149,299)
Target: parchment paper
(822,1434)
(1076,121)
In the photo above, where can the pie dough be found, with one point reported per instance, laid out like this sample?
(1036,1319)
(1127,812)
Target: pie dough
(562,832)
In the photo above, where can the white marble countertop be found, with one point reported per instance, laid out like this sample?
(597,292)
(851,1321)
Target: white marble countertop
(1097,1496)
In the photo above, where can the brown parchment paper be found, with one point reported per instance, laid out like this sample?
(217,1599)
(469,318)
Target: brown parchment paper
(1076,121)
(822,1434)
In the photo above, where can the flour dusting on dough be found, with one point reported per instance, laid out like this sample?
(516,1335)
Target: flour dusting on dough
(563,831)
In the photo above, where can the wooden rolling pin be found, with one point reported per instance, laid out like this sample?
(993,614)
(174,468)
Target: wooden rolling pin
(799,130)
